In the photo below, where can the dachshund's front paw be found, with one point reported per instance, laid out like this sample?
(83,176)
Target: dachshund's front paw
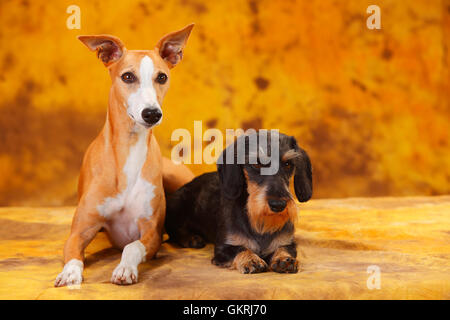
(284,264)
(196,242)
(248,262)
(219,261)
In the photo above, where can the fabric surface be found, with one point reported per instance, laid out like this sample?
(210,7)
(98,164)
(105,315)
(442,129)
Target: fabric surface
(408,239)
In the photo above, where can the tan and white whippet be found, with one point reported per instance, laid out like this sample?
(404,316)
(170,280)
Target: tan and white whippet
(121,181)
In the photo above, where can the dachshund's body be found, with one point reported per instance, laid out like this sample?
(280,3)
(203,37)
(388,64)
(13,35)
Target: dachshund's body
(192,220)
(248,216)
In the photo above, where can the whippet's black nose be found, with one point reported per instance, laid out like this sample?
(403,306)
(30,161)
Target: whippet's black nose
(151,116)
(277,205)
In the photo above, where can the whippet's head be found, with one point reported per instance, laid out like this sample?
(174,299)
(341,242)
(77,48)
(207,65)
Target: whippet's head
(140,78)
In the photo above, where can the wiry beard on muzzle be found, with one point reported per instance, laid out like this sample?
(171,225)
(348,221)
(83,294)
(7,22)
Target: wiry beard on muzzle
(261,217)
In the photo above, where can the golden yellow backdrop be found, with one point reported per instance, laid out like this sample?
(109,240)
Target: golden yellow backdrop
(370,106)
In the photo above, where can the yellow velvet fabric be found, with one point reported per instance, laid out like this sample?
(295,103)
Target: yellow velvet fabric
(407,238)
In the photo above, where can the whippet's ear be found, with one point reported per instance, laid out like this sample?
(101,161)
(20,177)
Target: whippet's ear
(109,48)
(231,176)
(303,174)
(171,46)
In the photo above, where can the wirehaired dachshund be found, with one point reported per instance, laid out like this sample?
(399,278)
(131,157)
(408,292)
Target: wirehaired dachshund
(248,216)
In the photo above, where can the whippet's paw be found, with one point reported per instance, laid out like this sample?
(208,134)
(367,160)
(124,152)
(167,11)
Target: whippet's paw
(71,274)
(284,264)
(124,274)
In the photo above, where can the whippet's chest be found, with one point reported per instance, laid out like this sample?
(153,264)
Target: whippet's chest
(124,209)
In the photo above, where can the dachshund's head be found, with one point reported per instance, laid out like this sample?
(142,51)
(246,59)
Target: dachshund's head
(269,202)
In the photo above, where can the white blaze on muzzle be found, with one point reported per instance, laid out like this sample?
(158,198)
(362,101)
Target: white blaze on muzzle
(145,96)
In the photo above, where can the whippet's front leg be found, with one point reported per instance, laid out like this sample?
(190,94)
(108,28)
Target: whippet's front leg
(138,251)
(85,226)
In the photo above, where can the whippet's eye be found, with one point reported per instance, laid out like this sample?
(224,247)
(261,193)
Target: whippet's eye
(161,78)
(128,77)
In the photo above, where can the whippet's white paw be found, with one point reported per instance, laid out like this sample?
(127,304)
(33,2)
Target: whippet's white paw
(71,274)
(124,274)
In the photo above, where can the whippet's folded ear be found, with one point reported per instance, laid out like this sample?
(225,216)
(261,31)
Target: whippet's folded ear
(109,48)
(230,173)
(171,46)
(303,174)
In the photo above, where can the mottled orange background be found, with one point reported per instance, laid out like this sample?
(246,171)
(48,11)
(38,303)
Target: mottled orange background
(370,106)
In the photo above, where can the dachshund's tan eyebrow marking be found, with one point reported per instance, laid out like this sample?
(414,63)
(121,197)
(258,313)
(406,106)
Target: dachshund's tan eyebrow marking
(290,154)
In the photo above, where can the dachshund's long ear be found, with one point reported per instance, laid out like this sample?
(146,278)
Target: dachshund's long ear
(230,173)
(303,174)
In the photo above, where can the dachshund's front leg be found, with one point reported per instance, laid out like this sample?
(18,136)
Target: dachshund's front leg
(284,260)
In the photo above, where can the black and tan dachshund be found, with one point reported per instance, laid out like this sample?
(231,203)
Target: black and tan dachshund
(248,216)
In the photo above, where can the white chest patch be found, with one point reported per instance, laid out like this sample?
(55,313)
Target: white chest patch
(124,210)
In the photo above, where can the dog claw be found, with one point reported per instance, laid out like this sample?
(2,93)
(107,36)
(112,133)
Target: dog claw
(284,265)
(70,276)
(124,275)
(254,265)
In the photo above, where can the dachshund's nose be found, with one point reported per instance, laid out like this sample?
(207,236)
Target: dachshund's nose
(277,205)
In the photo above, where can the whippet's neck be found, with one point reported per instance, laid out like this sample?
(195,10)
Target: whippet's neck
(122,133)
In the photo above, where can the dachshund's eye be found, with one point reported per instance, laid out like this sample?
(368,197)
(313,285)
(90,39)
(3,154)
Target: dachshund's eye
(259,165)
(128,77)
(161,78)
(256,166)
(287,165)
